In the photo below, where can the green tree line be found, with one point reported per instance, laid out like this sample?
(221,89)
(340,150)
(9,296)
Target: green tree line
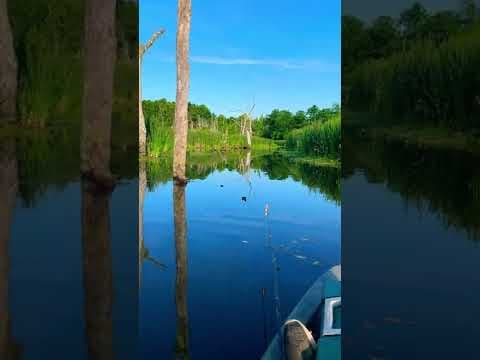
(276,125)
(419,69)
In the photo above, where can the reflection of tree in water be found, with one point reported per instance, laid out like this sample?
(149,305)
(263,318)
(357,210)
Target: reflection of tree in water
(97,269)
(317,178)
(414,173)
(180,221)
(323,179)
(143,252)
(97,180)
(8,191)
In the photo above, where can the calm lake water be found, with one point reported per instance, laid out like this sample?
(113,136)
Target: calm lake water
(410,252)
(218,276)
(68,282)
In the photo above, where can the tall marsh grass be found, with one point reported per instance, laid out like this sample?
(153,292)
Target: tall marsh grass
(160,141)
(318,139)
(428,84)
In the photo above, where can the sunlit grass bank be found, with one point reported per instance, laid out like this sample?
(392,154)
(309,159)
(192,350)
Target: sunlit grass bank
(160,141)
(318,139)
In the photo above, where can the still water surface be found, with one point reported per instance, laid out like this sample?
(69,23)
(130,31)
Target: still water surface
(68,255)
(410,252)
(218,276)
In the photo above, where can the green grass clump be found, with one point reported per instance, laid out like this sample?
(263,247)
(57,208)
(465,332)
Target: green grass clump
(318,139)
(160,141)
(429,84)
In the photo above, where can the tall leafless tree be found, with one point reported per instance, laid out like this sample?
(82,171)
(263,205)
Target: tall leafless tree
(8,67)
(100,55)
(142,130)
(183,83)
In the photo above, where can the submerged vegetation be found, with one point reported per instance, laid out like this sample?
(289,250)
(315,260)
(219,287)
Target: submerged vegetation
(418,70)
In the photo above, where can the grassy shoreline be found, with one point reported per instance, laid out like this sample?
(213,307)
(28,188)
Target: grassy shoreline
(205,141)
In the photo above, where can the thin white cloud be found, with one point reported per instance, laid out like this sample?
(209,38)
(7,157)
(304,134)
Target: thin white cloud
(316,65)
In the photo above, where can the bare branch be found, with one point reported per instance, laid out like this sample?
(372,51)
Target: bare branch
(150,42)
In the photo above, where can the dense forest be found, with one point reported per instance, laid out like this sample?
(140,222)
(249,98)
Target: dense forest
(420,68)
(303,130)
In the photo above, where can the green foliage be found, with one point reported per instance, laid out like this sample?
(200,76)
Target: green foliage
(317,139)
(211,132)
(204,140)
(424,74)
(386,36)
(279,123)
(428,84)
(48,40)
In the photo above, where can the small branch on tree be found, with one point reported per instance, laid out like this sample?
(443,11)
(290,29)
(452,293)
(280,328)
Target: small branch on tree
(150,42)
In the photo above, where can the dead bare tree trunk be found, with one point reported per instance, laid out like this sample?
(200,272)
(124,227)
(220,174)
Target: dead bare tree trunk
(97,182)
(181,348)
(142,130)
(100,54)
(8,67)
(8,192)
(183,84)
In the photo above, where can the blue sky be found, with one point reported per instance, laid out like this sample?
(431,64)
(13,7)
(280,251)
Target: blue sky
(281,54)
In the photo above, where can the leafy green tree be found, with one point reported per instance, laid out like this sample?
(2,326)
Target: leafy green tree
(413,20)
(384,37)
(355,41)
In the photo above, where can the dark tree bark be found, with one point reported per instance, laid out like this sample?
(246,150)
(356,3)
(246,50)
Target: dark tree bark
(8,67)
(97,183)
(100,53)
(183,84)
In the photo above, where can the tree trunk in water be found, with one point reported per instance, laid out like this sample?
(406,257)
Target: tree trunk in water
(142,130)
(97,270)
(183,84)
(100,52)
(8,192)
(97,183)
(8,67)
(181,348)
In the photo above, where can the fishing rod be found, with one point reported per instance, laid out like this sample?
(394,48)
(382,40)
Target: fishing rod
(276,269)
